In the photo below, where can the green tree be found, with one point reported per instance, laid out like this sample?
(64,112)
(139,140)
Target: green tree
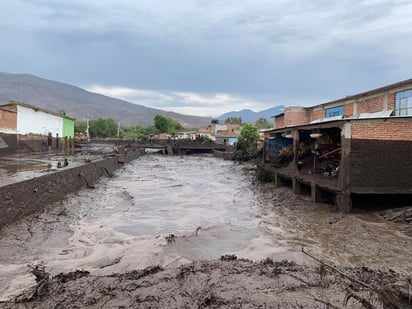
(161,123)
(138,132)
(246,146)
(80,127)
(263,123)
(166,124)
(103,127)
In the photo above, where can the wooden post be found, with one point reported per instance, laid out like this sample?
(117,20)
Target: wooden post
(315,192)
(276,179)
(295,186)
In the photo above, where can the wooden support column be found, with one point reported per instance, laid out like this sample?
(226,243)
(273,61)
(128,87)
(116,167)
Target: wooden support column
(276,179)
(295,134)
(315,192)
(264,151)
(295,186)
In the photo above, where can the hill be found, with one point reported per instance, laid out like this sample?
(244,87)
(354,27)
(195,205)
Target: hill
(249,116)
(78,103)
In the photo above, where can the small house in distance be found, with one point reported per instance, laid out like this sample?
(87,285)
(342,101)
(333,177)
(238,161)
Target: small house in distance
(25,128)
(226,134)
(354,150)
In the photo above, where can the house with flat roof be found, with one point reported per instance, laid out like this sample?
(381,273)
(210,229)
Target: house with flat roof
(348,150)
(24,127)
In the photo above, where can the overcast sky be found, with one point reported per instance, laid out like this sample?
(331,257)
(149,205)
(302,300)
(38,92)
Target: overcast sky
(206,57)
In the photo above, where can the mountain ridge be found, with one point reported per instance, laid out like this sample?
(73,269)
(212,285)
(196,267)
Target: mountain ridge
(249,116)
(80,103)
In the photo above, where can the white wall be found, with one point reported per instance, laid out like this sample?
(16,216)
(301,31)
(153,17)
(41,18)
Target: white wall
(218,127)
(30,121)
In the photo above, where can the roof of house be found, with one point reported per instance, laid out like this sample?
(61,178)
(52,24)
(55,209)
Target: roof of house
(36,108)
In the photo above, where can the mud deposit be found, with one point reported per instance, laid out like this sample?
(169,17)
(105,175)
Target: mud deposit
(163,215)
(228,283)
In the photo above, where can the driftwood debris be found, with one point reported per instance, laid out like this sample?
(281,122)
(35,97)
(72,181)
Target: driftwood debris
(395,295)
(338,271)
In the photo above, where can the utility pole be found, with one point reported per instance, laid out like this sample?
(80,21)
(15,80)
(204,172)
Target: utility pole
(87,128)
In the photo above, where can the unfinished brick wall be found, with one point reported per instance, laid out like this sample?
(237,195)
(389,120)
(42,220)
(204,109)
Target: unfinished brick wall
(391,129)
(8,120)
(347,110)
(391,100)
(279,122)
(371,105)
(295,116)
(317,113)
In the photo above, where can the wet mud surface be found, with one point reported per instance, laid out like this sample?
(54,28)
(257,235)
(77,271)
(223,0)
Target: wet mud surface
(228,282)
(93,244)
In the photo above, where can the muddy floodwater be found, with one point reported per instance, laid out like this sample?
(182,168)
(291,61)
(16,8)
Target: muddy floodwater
(211,206)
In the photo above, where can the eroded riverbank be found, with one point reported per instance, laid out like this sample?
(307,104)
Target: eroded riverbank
(211,206)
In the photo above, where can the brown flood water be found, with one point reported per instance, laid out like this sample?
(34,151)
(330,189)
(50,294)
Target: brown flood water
(213,207)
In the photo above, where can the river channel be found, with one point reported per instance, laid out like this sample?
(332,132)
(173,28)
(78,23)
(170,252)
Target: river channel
(211,206)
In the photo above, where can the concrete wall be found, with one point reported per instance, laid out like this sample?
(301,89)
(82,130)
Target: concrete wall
(11,141)
(37,122)
(68,127)
(21,199)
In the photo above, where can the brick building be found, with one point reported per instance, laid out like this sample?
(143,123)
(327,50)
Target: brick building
(348,149)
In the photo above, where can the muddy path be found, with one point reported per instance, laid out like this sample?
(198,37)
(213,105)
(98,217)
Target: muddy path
(211,207)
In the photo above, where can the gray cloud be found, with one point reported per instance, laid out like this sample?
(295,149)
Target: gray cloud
(264,52)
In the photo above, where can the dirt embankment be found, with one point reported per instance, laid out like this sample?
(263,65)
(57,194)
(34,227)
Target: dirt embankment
(225,283)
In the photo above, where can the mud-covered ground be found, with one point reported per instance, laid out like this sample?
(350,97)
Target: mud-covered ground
(402,216)
(227,283)
(112,246)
